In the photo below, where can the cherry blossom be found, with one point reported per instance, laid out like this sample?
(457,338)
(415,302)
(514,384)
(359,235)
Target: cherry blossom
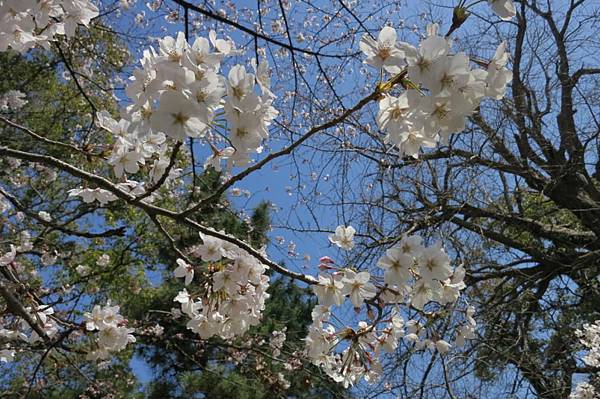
(184,270)
(589,337)
(82,270)
(583,390)
(12,100)
(343,237)
(397,265)
(425,291)
(113,335)
(89,195)
(358,287)
(466,331)
(22,27)
(47,324)
(45,216)
(442,346)
(9,256)
(505,9)
(212,249)
(234,296)
(421,61)
(421,118)
(330,289)
(404,282)
(434,264)
(103,260)
(215,159)
(103,317)
(177,91)
(497,75)
(391,334)
(176,117)
(382,53)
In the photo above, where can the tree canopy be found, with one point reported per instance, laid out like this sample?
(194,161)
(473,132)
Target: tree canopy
(299,199)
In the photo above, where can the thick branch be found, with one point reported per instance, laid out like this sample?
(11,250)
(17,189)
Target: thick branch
(151,209)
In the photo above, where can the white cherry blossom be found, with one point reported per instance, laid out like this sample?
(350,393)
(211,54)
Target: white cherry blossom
(434,263)
(184,270)
(442,346)
(358,287)
(82,270)
(497,75)
(421,61)
(330,289)
(9,256)
(382,53)
(89,195)
(177,117)
(425,291)
(343,237)
(103,260)
(212,249)
(397,265)
(505,9)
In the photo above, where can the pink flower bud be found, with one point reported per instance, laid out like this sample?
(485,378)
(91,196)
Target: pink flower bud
(323,267)
(326,260)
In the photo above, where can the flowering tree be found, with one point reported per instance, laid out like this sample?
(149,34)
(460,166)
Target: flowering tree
(504,196)
(132,178)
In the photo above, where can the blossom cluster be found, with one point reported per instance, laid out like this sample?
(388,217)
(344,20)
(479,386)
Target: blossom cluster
(589,337)
(584,390)
(14,329)
(413,274)
(8,257)
(21,329)
(113,334)
(231,297)
(276,341)
(89,195)
(27,23)
(442,89)
(12,100)
(178,93)
(25,245)
(130,151)
(84,270)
